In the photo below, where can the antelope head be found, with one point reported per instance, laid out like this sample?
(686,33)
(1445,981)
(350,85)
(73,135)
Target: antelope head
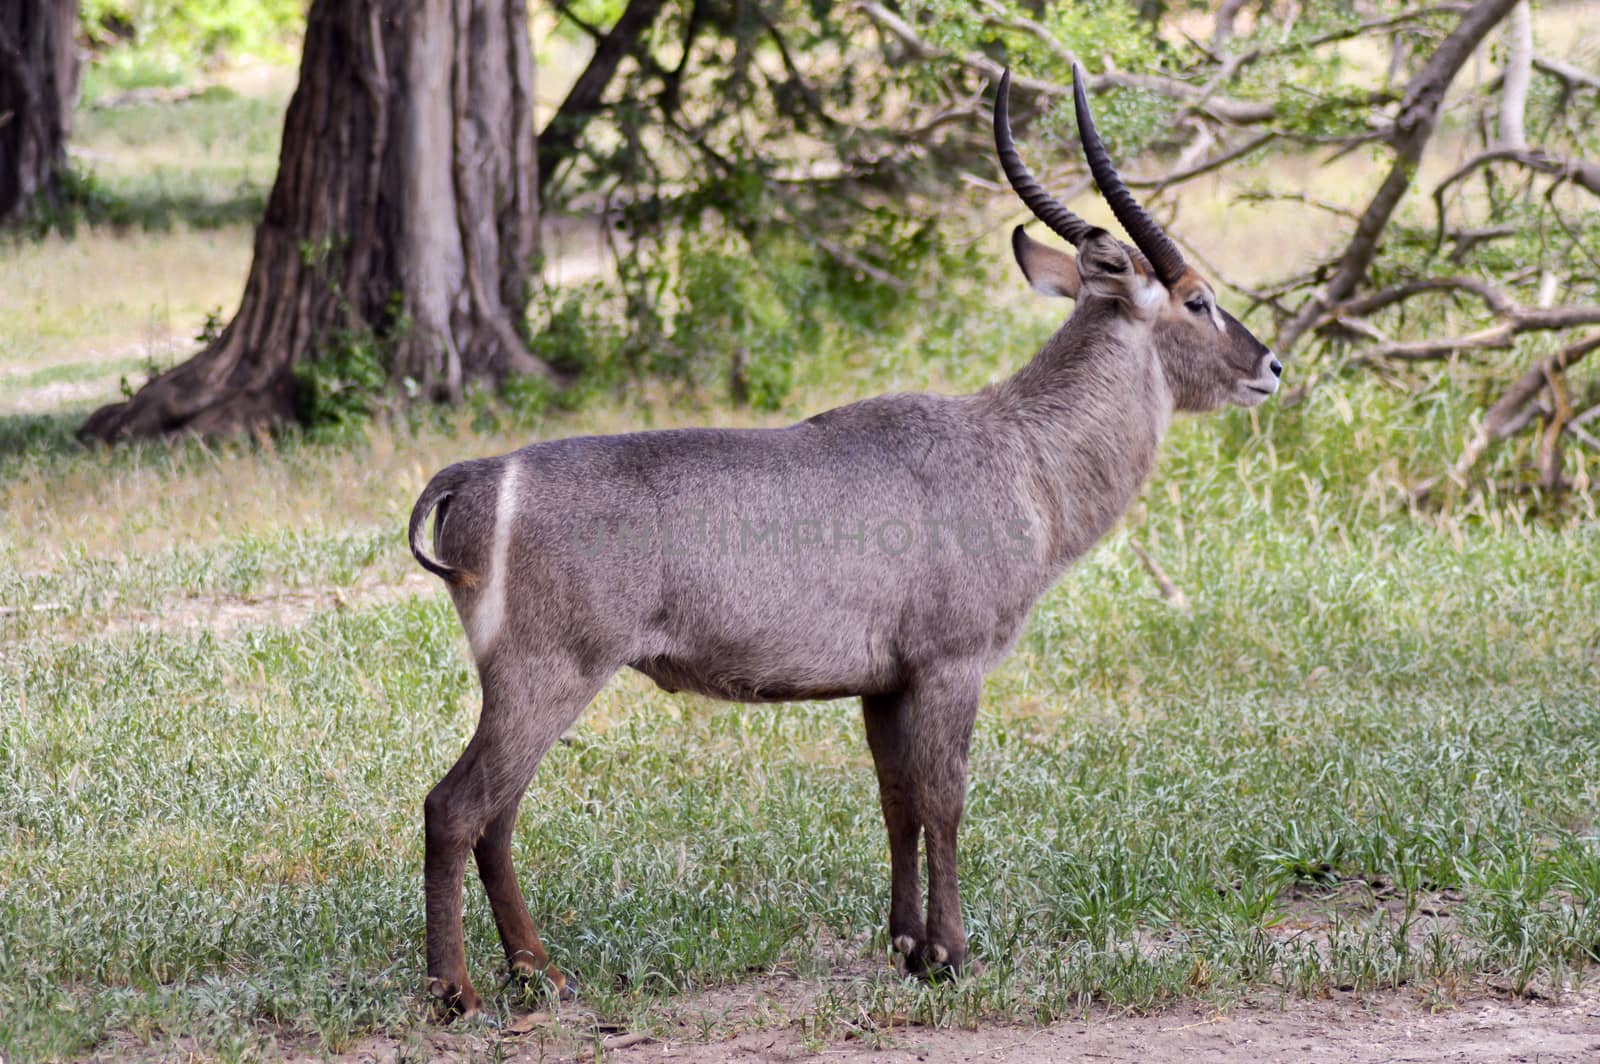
(1209,358)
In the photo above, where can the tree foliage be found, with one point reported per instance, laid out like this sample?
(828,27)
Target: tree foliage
(184,34)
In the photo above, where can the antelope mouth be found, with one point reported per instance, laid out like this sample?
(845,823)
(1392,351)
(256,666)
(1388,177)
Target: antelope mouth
(1254,393)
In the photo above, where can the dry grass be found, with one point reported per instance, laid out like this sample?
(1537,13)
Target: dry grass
(103,294)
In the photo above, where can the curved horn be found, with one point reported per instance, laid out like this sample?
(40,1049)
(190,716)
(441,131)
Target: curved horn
(1164,256)
(1045,207)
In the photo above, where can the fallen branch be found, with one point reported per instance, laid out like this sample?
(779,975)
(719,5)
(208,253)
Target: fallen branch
(1534,380)
(1169,591)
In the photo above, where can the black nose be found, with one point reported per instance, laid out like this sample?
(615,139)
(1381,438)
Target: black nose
(1276,367)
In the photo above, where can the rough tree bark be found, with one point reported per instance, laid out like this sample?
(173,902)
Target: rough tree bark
(38,82)
(405,207)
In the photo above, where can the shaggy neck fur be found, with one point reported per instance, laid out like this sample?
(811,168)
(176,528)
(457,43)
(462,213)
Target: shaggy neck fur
(1086,417)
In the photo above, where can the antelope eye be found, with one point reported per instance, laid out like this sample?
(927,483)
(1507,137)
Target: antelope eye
(1197,305)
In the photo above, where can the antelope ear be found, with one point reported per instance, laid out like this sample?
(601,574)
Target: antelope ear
(1050,272)
(1111,270)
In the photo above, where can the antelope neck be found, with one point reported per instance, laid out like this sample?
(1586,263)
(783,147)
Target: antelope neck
(1087,414)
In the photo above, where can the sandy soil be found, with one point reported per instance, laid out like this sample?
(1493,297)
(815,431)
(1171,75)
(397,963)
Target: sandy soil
(1348,1031)
(1345,1028)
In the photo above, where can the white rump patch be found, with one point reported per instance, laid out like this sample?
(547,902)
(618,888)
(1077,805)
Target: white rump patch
(489,611)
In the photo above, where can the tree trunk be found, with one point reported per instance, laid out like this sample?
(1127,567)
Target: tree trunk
(38,83)
(404,215)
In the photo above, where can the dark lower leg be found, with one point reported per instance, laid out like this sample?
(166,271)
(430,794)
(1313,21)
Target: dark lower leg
(947,936)
(944,712)
(885,718)
(525,954)
(526,706)
(444,866)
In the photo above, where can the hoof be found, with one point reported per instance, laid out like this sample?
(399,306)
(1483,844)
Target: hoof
(905,945)
(454,1002)
(934,963)
(528,976)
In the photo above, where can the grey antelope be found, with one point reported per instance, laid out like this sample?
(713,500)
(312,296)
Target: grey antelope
(890,549)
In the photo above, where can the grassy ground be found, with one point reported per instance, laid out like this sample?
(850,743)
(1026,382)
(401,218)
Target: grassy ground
(1365,757)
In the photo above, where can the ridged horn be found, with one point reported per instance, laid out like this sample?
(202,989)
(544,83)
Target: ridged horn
(1045,207)
(1164,256)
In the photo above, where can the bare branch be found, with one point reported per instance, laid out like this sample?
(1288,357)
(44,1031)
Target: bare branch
(1467,239)
(849,259)
(1216,162)
(1361,29)
(559,139)
(1572,429)
(1567,73)
(1498,336)
(1561,220)
(1581,172)
(1267,196)
(1412,129)
(1222,30)
(1496,300)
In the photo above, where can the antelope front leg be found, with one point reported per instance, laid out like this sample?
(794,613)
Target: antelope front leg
(888,736)
(943,712)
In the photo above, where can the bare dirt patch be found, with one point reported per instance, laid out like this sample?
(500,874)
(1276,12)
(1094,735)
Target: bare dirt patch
(48,397)
(1347,1028)
(284,608)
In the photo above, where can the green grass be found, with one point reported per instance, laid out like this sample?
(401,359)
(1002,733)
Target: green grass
(218,836)
(204,161)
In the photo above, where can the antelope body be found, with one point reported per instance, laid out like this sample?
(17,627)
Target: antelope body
(888,550)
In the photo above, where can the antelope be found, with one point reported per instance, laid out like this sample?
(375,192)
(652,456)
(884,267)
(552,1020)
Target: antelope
(889,550)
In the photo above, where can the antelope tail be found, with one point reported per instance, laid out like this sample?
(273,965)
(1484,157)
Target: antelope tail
(437,496)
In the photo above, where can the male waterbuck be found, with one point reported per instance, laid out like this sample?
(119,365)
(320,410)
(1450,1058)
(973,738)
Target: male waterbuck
(890,549)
